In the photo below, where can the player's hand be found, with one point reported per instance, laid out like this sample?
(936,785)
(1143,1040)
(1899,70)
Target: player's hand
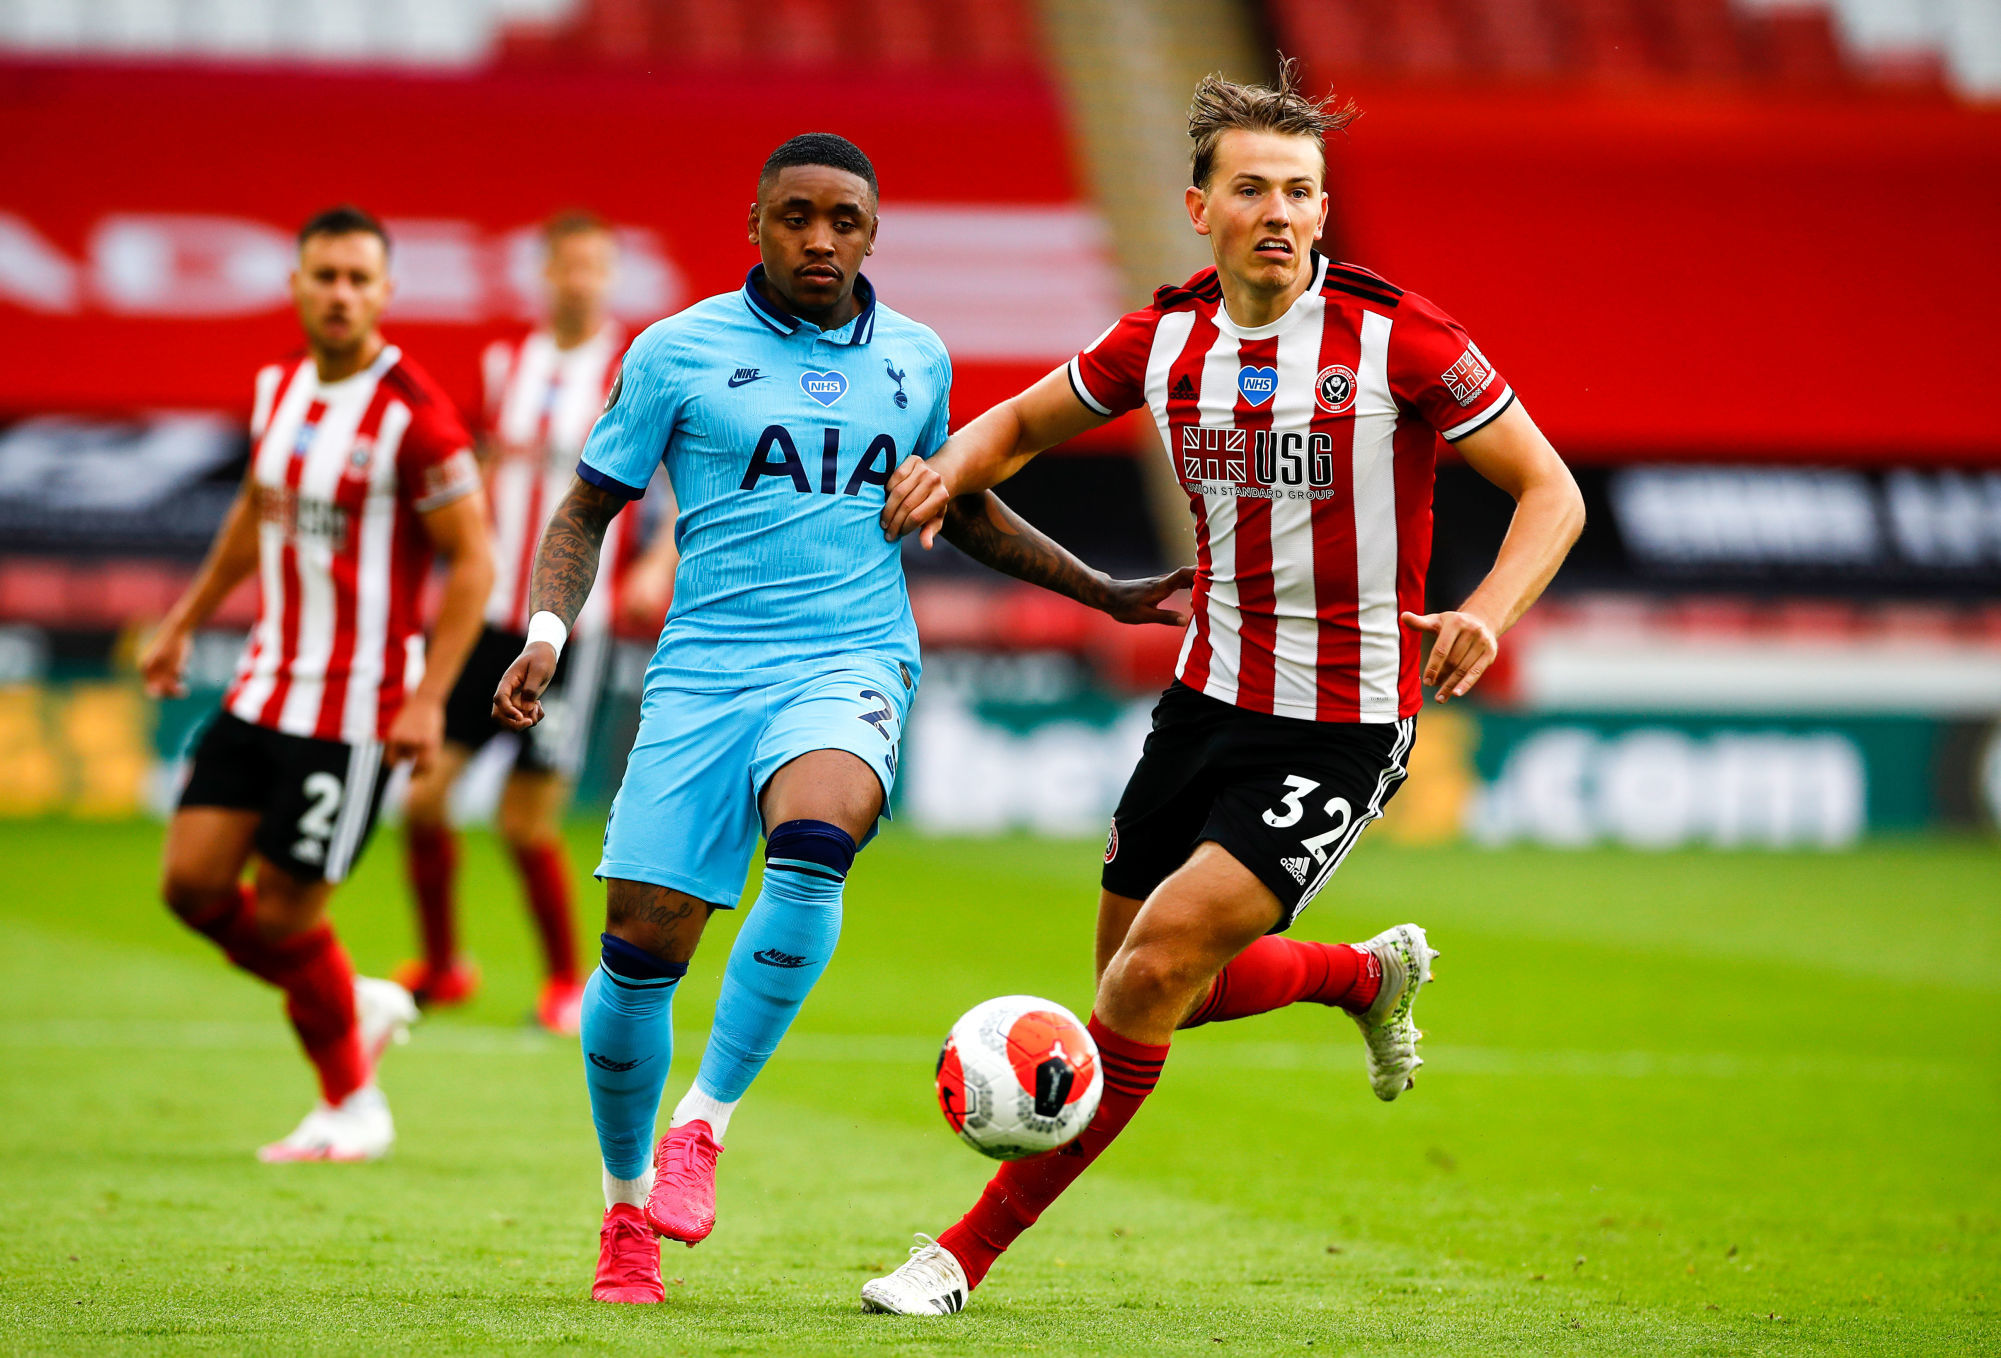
(1139,601)
(1463,648)
(417,733)
(915,502)
(163,661)
(517,703)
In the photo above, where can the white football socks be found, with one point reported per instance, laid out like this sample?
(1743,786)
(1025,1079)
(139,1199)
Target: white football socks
(695,1106)
(632,1192)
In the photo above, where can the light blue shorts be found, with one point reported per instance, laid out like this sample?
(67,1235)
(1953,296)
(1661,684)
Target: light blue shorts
(686,813)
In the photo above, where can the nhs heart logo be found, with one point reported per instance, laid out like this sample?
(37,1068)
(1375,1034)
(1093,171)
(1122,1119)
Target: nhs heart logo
(824,387)
(1257,384)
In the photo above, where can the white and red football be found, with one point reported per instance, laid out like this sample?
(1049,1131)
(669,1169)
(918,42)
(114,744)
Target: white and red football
(1019,1076)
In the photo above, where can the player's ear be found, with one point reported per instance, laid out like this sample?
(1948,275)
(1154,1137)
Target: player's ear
(1198,209)
(753,223)
(874,225)
(1320,226)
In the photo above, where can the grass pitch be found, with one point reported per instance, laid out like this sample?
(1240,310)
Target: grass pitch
(1676,1103)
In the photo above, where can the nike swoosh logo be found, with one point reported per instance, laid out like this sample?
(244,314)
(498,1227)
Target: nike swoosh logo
(745,381)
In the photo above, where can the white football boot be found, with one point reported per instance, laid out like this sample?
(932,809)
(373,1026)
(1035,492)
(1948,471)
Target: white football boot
(1387,1029)
(928,1283)
(358,1128)
(384,1012)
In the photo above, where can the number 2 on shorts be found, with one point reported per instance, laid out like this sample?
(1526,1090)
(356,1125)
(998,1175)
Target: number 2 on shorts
(316,827)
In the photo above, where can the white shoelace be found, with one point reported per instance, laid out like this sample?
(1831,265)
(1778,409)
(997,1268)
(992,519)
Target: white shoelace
(928,1265)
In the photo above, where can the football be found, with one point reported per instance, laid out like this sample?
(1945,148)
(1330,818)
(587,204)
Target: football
(1018,1076)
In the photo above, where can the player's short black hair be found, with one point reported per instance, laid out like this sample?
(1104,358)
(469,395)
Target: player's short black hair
(819,148)
(343,219)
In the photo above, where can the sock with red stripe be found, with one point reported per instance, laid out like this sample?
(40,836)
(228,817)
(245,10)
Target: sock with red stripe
(431,855)
(1275,972)
(545,876)
(318,980)
(1023,1189)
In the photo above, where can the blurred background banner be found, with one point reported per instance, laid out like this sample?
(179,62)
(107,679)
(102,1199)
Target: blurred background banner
(1740,260)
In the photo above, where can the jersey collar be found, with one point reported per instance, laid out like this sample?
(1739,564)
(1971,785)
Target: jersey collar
(1286,320)
(860,330)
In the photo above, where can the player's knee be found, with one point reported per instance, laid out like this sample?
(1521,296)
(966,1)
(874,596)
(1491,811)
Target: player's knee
(192,897)
(427,807)
(523,830)
(1155,976)
(656,919)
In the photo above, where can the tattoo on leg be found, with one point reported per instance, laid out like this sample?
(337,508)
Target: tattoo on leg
(668,908)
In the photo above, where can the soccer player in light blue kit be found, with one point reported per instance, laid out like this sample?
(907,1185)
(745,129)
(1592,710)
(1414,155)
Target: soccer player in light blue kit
(777,697)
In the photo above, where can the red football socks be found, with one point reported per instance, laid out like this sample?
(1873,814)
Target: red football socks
(1275,972)
(431,854)
(1022,1189)
(545,876)
(318,980)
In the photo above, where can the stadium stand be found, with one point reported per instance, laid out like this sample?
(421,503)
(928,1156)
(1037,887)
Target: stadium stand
(1772,44)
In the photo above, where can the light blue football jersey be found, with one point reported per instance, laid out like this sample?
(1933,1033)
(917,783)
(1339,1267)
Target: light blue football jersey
(778,438)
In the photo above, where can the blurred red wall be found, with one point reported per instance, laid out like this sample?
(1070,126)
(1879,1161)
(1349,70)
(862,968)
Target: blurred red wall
(477,157)
(1701,275)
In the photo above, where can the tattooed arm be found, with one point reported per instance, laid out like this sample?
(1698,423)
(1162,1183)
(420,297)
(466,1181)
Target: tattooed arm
(566,565)
(994,535)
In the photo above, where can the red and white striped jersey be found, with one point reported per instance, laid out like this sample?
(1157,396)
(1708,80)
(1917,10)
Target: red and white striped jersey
(1306,447)
(541,402)
(340,473)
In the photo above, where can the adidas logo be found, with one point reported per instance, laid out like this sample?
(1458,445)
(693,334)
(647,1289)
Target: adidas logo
(1297,867)
(1184,390)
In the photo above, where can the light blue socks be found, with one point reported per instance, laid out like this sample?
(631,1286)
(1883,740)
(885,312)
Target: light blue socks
(779,953)
(628,1039)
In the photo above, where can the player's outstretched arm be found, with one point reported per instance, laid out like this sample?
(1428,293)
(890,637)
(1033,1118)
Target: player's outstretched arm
(458,531)
(566,566)
(994,535)
(983,454)
(1549,514)
(231,558)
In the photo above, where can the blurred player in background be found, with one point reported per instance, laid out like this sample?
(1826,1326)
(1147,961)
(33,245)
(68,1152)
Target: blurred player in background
(360,472)
(1301,401)
(543,391)
(777,697)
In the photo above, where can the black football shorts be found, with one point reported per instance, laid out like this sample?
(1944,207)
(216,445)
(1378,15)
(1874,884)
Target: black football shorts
(1287,798)
(555,744)
(317,799)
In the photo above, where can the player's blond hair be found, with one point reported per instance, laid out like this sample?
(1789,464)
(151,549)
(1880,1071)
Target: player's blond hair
(1223,106)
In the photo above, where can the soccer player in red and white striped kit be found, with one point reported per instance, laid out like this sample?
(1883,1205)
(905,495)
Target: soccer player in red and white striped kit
(360,474)
(1300,400)
(543,390)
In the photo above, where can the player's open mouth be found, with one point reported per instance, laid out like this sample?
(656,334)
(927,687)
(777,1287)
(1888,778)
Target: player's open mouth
(1273,248)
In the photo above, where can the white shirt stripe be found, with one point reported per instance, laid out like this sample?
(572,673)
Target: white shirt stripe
(319,480)
(377,529)
(1296,647)
(1376,523)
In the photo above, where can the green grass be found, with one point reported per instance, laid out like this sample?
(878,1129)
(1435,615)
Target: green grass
(1676,1103)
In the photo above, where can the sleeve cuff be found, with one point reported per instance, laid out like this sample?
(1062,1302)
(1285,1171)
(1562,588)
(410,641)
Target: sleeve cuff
(611,485)
(1091,403)
(1482,420)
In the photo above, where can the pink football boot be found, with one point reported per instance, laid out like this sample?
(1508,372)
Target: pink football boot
(682,1205)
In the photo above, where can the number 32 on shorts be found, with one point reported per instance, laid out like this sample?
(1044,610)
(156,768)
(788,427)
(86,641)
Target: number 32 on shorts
(1292,809)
